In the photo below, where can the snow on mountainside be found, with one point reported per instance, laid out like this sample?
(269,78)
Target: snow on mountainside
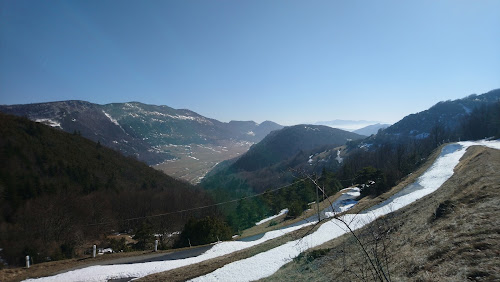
(268,262)
(148,131)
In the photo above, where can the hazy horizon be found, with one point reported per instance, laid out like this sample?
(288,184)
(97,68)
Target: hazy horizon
(290,62)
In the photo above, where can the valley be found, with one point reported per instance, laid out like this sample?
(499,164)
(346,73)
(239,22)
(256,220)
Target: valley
(241,181)
(249,141)
(262,261)
(192,162)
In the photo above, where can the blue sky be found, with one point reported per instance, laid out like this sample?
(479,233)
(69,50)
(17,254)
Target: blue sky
(287,61)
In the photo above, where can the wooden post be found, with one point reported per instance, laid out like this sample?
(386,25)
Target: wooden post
(27,261)
(156,245)
(94,248)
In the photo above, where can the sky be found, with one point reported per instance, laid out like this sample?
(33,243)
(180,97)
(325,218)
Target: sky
(286,61)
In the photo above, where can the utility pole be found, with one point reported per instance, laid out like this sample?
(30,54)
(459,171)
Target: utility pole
(317,202)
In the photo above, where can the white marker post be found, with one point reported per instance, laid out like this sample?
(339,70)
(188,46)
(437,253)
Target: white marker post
(156,245)
(94,248)
(27,261)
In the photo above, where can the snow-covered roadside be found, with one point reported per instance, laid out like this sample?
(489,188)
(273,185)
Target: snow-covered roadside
(282,212)
(107,272)
(266,263)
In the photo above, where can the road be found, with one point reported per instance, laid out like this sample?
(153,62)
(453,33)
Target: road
(191,252)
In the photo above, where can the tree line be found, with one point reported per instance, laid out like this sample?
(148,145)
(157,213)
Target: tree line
(61,193)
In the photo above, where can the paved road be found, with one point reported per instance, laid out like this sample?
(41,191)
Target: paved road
(191,252)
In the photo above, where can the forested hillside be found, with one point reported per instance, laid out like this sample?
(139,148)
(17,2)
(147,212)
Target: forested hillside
(139,129)
(290,141)
(276,161)
(59,191)
(446,115)
(391,154)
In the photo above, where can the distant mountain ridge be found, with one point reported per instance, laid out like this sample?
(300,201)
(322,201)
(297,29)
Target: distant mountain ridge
(139,129)
(447,114)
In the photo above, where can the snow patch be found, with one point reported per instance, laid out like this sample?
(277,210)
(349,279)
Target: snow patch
(266,263)
(119,271)
(111,118)
(49,122)
(338,158)
(282,212)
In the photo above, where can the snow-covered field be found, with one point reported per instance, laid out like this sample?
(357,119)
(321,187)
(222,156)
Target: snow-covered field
(267,263)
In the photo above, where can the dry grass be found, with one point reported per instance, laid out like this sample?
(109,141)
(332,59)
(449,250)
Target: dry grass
(451,235)
(196,270)
(421,246)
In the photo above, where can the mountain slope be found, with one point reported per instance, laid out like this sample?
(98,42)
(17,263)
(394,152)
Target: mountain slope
(450,235)
(447,114)
(151,133)
(409,240)
(91,121)
(268,164)
(54,185)
(284,144)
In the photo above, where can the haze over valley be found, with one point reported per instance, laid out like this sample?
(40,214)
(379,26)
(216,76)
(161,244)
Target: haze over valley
(249,140)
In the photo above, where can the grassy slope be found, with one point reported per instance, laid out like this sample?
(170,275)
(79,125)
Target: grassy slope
(188,272)
(417,241)
(457,241)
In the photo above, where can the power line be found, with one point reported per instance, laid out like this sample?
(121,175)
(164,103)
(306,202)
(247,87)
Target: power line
(197,208)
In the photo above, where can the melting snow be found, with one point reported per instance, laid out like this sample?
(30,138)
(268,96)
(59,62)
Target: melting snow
(282,212)
(49,122)
(118,271)
(338,158)
(111,118)
(266,263)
